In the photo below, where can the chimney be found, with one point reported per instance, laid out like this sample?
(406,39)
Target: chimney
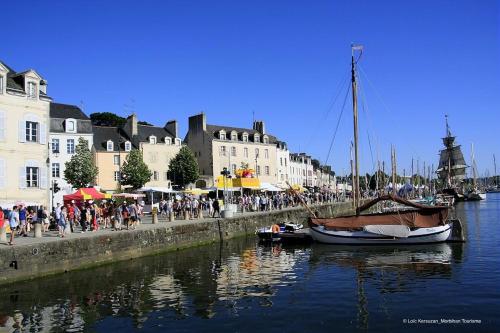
(198,123)
(259,126)
(131,125)
(171,126)
(43,86)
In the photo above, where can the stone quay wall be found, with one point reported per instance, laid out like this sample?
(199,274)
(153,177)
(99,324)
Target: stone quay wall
(47,257)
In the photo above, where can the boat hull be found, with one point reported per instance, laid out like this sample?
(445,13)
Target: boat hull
(419,236)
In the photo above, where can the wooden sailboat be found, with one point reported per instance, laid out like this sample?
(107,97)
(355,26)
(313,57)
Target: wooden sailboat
(413,224)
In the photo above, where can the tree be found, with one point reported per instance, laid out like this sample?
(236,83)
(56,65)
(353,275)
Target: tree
(80,170)
(107,119)
(183,168)
(135,172)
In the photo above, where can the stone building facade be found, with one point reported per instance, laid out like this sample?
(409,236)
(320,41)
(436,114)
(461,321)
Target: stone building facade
(24,122)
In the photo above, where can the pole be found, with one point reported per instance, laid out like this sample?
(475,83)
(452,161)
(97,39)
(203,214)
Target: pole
(355,120)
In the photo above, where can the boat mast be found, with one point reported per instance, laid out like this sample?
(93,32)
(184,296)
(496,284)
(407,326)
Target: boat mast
(494,171)
(355,119)
(474,175)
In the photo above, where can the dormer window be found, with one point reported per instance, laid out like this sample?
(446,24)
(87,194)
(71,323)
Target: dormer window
(222,135)
(110,145)
(256,138)
(152,139)
(70,125)
(265,139)
(128,146)
(234,136)
(177,142)
(244,137)
(168,141)
(2,84)
(31,89)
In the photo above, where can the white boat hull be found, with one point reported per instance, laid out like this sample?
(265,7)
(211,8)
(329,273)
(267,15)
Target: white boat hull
(418,236)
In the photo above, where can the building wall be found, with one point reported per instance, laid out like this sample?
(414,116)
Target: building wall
(105,162)
(220,161)
(61,158)
(15,155)
(283,166)
(157,157)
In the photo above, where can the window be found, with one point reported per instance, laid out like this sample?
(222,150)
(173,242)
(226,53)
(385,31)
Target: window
(153,157)
(156,175)
(152,139)
(56,170)
(70,126)
(1,84)
(256,152)
(168,141)
(117,176)
(31,131)
(31,89)
(245,137)
(285,162)
(177,142)
(233,151)
(233,168)
(266,170)
(55,146)
(70,146)
(266,139)
(258,170)
(234,136)
(128,146)
(31,177)
(165,176)
(266,153)
(223,151)
(281,161)
(110,145)
(245,152)
(222,135)
(256,138)
(116,160)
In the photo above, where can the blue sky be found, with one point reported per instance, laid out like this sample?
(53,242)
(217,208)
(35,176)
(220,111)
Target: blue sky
(283,60)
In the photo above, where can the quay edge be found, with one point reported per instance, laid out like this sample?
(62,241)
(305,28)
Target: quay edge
(24,262)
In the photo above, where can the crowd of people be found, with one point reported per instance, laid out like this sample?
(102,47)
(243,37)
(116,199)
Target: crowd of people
(91,216)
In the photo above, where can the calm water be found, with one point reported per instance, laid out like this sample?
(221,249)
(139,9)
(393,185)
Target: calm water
(240,286)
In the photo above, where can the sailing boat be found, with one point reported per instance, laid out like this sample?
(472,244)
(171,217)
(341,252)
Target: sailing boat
(451,169)
(474,194)
(415,224)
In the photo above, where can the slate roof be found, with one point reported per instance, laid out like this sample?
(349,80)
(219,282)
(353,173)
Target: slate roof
(58,110)
(214,129)
(15,80)
(104,133)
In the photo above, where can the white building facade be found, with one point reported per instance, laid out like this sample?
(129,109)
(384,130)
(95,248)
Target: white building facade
(67,125)
(24,117)
(282,164)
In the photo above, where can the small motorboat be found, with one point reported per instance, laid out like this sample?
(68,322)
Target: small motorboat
(274,232)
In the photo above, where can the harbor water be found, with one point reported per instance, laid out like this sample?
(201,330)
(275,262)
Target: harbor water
(243,286)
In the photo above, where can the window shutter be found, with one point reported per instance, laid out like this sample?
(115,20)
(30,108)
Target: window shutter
(2,173)
(43,133)
(2,126)
(43,177)
(22,131)
(22,177)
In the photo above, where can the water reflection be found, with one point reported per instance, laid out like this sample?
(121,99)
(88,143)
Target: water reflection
(224,280)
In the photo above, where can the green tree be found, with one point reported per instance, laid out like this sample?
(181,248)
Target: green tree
(135,173)
(80,170)
(183,168)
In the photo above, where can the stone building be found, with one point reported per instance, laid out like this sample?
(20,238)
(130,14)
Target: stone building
(67,124)
(112,145)
(220,146)
(24,122)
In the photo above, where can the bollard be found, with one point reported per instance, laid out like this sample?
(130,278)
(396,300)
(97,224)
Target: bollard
(38,230)
(186,215)
(200,214)
(3,234)
(171,216)
(155,216)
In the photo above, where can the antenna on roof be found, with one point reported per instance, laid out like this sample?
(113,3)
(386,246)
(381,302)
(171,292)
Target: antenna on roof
(82,105)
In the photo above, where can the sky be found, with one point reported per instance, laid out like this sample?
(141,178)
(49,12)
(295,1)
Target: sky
(284,62)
